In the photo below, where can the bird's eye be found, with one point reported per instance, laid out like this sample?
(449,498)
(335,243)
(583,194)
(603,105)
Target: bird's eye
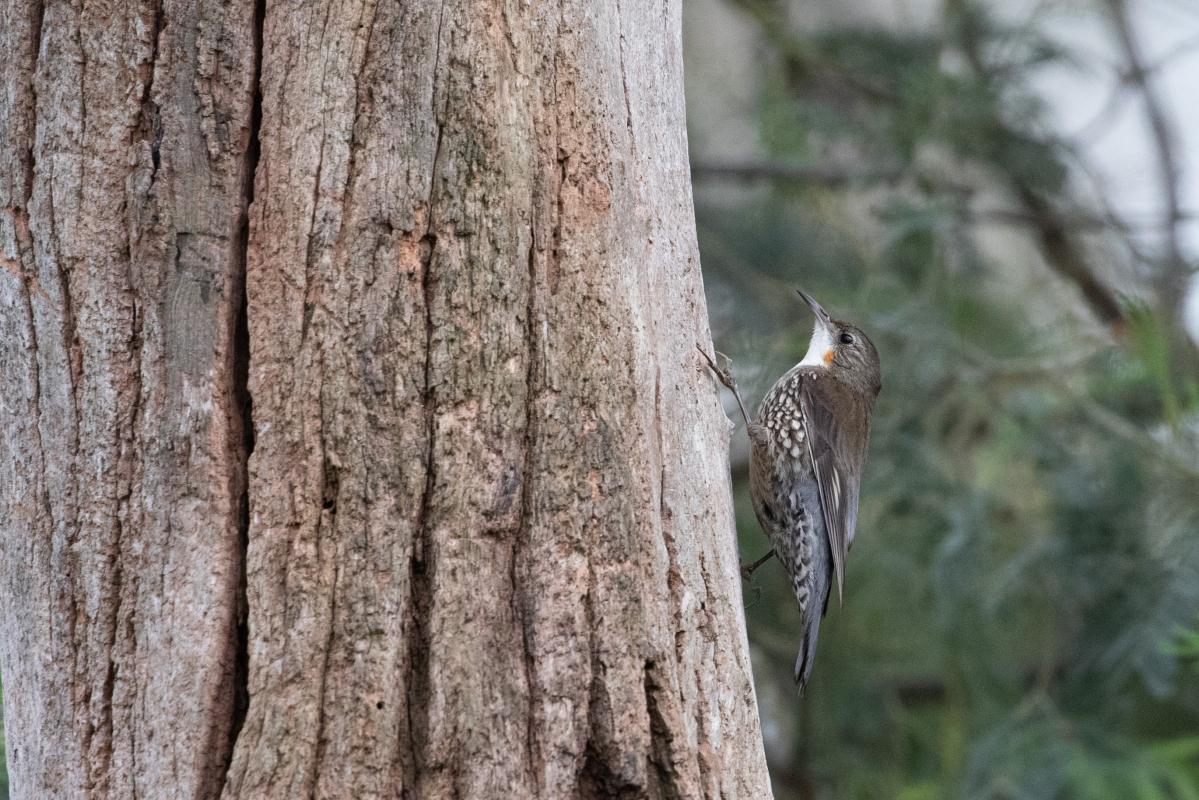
(847,338)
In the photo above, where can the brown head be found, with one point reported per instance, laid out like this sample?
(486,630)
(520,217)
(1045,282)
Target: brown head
(844,350)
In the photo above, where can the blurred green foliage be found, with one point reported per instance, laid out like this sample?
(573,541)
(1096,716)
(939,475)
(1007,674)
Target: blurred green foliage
(1021,601)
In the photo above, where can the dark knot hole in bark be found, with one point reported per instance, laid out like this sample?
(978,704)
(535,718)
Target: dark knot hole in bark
(329,490)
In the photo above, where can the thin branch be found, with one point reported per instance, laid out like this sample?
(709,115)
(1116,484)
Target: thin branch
(804,59)
(1121,428)
(833,177)
(1100,416)
(1073,221)
(1062,253)
(1065,257)
(836,177)
(1104,118)
(1108,211)
(1174,277)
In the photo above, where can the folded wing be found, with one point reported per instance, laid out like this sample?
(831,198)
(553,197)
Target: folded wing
(837,456)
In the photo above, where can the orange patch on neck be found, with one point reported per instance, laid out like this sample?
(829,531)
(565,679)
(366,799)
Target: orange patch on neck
(828,356)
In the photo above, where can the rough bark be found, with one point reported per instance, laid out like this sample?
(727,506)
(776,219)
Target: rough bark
(486,540)
(125,128)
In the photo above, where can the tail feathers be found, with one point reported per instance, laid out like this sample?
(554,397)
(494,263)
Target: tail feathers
(807,652)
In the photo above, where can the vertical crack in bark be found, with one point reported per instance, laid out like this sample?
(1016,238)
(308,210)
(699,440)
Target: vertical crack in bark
(37,23)
(554,265)
(420,580)
(27,265)
(149,117)
(624,80)
(243,403)
(310,253)
(63,557)
(659,701)
(661,757)
(708,631)
(523,532)
(674,580)
(27,271)
(583,773)
(326,527)
(330,479)
(132,460)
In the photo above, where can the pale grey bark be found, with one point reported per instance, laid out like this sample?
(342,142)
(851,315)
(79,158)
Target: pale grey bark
(125,128)
(486,534)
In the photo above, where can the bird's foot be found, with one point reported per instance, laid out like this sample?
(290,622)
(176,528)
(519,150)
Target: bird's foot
(747,570)
(722,369)
(724,374)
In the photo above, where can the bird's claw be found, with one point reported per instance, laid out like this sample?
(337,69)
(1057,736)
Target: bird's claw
(725,375)
(723,370)
(748,569)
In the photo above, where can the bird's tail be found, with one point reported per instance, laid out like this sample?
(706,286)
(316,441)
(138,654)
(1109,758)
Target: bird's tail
(807,650)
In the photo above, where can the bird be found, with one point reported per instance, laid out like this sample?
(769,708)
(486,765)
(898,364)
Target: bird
(808,445)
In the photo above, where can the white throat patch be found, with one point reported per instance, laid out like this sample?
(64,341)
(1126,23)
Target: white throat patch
(821,343)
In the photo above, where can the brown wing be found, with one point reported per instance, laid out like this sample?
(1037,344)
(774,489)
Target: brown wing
(836,456)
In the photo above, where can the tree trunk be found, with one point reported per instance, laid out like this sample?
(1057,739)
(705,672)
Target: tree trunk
(485,535)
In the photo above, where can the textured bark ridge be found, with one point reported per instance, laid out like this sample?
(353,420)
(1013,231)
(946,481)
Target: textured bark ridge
(485,541)
(125,128)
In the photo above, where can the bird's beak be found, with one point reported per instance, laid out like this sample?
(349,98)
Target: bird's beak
(821,350)
(821,315)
